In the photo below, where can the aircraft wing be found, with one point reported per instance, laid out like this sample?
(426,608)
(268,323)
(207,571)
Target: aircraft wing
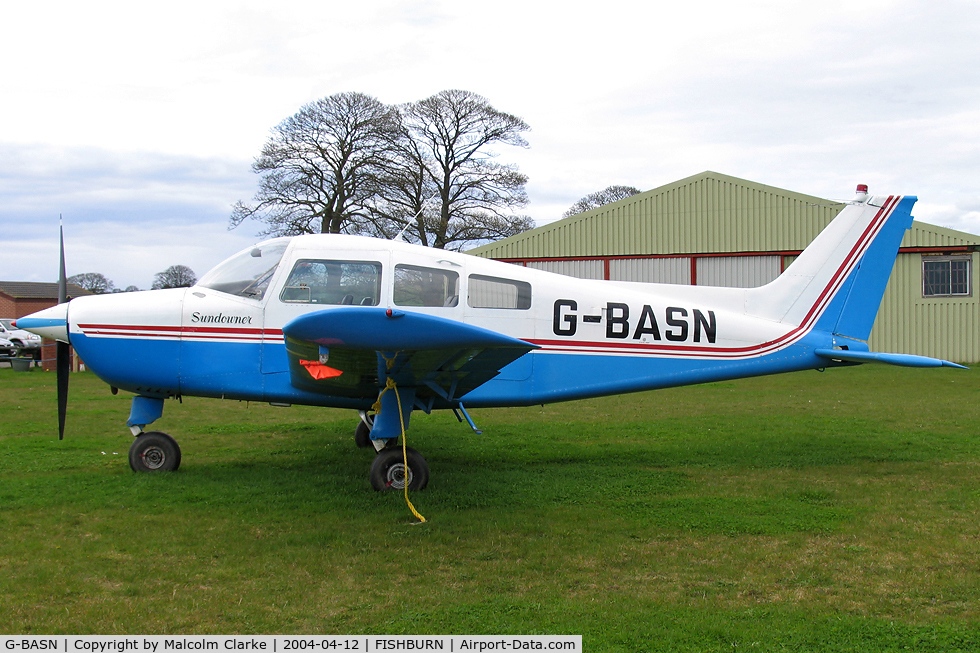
(350,350)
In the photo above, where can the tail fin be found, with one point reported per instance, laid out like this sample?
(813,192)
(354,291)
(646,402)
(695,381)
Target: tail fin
(837,283)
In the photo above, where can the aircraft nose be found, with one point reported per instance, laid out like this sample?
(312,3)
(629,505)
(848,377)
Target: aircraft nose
(49,323)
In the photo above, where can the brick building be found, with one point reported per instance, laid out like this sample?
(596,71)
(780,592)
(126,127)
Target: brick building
(20,298)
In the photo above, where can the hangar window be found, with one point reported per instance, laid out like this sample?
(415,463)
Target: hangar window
(419,286)
(946,276)
(494,292)
(314,281)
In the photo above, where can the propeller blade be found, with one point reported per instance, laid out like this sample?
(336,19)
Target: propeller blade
(63,363)
(62,276)
(63,371)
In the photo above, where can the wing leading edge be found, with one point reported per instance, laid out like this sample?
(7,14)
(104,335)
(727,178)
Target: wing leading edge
(351,351)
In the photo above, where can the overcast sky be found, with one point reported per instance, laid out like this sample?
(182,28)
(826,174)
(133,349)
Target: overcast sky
(138,122)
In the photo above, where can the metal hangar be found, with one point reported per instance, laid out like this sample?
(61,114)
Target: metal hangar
(714,229)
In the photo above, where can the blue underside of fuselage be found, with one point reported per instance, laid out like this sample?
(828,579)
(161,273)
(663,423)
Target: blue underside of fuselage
(234,371)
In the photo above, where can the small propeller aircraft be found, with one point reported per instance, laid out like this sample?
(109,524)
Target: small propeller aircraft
(387,328)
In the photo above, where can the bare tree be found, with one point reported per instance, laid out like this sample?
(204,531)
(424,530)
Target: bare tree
(321,167)
(349,164)
(406,196)
(460,194)
(600,198)
(93,282)
(176,276)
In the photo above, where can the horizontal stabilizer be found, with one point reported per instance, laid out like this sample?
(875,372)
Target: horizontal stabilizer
(903,360)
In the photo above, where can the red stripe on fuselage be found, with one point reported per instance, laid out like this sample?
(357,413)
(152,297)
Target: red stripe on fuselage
(185,333)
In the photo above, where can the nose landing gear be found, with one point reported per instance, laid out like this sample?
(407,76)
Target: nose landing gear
(154,452)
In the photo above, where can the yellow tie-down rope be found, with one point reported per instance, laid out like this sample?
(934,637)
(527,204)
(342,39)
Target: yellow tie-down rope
(401,418)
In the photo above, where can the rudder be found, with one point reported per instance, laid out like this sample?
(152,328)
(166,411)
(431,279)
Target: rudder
(868,282)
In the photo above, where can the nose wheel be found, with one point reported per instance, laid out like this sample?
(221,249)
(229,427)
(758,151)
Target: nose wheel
(154,452)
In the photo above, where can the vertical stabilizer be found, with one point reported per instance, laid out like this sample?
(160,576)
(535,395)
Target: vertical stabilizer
(837,283)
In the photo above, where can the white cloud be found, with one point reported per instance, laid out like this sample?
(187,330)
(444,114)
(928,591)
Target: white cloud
(127,254)
(125,214)
(145,120)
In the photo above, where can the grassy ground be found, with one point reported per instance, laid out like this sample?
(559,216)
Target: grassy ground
(807,512)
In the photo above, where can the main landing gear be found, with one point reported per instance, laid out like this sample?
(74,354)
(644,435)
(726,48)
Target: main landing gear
(388,470)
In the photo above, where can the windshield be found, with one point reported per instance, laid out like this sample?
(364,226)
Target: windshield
(249,272)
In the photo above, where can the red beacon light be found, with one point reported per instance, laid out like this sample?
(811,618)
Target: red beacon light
(862,193)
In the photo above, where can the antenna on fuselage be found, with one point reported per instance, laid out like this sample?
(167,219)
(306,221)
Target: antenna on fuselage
(400,236)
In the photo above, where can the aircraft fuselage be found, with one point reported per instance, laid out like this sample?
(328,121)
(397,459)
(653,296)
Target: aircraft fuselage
(593,337)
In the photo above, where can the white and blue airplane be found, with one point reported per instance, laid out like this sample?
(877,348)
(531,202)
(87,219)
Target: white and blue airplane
(387,328)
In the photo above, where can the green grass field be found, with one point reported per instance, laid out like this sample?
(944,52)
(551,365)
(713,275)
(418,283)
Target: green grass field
(805,512)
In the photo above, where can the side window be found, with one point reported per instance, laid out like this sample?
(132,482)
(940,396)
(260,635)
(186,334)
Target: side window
(314,281)
(419,286)
(494,292)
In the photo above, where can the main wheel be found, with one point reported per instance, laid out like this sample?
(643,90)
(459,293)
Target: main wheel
(154,452)
(388,470)
(362,435)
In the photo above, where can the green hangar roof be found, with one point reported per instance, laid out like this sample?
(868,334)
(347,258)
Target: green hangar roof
(707,213)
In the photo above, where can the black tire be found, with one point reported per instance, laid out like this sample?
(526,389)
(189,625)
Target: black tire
(154,452)
(388,470)
(362,435)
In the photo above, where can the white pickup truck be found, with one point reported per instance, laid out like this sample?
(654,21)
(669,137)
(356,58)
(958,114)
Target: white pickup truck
(23,344)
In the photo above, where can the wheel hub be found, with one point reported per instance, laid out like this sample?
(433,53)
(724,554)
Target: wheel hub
(396,476)
(154,457)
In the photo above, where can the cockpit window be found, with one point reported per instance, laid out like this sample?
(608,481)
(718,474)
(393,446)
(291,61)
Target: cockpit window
(315,281)
(248,273)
